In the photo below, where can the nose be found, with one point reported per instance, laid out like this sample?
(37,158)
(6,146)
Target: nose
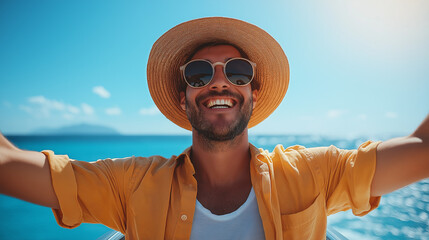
(219,81)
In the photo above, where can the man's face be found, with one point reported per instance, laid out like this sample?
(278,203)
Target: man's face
(219,111)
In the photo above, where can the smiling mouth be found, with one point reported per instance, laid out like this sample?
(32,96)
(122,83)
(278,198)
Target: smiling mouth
(219,103)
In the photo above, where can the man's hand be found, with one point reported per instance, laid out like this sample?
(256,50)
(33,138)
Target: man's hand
(25,175)
(402,161)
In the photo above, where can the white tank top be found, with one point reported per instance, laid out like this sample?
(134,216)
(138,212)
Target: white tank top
(243,223)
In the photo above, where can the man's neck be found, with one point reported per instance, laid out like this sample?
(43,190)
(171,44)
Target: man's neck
(222,171)
(221,163)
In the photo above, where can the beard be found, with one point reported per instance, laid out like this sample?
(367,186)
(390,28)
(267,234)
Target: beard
(223,130)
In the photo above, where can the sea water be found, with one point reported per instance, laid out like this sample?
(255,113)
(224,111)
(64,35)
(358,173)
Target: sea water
(403,214)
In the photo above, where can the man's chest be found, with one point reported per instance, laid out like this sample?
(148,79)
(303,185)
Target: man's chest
(223,200)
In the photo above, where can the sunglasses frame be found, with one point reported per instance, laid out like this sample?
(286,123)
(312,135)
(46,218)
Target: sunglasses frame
(182,68)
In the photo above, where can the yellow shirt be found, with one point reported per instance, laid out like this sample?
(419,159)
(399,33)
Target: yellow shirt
(154,198)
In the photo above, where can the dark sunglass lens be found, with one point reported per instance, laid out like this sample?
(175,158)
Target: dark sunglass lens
(239,71)
(198,73)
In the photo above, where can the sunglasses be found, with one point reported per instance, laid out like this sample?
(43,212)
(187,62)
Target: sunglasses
(199,72)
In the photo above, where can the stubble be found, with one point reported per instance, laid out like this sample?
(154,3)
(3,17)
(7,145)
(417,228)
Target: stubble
(223,132)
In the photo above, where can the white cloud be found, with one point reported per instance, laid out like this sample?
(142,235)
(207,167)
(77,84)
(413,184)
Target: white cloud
(391,115)
(113,111)
(68,116)
(42,107)
(47,103)
(362,117)
(149,111)
(73,109)
(26,109)
(36,111)
(335,113)
(38,99)
(87,109)
(101,91)
(7,104)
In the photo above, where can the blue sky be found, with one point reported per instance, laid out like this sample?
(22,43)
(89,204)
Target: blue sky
(357,67)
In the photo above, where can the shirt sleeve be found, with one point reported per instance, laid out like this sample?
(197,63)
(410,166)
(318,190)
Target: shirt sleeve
(346,177)
(93,192)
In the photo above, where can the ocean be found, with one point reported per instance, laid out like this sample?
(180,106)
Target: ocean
(403,214)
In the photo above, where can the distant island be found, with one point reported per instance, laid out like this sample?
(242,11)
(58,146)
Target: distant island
(78,129)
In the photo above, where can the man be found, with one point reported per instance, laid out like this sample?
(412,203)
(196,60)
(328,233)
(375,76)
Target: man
(217,77)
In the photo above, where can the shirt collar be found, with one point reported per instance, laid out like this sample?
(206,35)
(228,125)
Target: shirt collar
(185,160)
(258,158)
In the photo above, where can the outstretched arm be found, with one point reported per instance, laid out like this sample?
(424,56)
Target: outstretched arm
(402,161)
(25,175)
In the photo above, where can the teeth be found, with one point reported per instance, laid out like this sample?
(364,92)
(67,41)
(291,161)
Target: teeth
(219,103)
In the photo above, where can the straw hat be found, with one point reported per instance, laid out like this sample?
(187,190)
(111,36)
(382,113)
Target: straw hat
(172,49)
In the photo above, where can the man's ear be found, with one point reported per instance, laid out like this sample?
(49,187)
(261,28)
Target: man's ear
(254,97)
(183,100)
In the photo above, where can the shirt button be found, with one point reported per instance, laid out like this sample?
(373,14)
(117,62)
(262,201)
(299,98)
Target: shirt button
(184,217)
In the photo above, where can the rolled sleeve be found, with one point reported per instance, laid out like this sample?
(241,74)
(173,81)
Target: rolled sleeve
(346,177)
(361,179)
(63,180)
(91,192)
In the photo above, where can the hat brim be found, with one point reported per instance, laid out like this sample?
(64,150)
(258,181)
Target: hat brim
(172,49)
